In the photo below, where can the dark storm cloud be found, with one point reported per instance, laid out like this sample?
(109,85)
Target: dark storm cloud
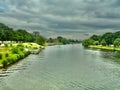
(62,16)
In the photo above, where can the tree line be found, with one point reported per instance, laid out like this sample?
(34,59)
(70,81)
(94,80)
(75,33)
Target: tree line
(62,40)
(9,34)
(106,39)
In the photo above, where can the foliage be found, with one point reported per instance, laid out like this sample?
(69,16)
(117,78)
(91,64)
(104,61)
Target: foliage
(4,63)
(51,40)
(62,40)
(108,37)
(95,37)
(88,42)
(117,42)
(23,35)
(15,50)
(1,55)
(7,55)
(105,39)
(96,43)
(18,53)
(20,35)
(40,40)
(103,42)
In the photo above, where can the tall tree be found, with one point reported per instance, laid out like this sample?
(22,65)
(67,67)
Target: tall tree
(40,40)
(103,42)
(117,42)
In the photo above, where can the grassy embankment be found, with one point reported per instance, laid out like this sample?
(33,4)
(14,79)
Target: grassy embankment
(111,48)
(12,53)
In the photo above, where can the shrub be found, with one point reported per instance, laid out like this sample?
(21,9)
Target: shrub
(15,50)
(22,55)
(4,63)
(20,47)
(1,55)
(14,58)
(7,55)
(27,53)
(18,56)
(8,59)
(11,61)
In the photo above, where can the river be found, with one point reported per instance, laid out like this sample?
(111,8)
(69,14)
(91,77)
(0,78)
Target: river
(65,67)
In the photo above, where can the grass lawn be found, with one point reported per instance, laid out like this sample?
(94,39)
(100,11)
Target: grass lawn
(6,52)
(3,51)
(112,48)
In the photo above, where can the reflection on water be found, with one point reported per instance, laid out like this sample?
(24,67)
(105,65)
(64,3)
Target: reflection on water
(69,67)
(113,56)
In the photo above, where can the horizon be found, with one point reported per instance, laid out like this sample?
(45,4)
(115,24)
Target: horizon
(79,19)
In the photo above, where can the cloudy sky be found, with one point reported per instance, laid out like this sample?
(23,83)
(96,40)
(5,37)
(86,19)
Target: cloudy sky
(70,18)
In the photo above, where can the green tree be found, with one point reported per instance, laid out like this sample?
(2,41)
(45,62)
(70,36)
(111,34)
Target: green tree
(65,41)
(59,38)
(103,42)
(88,42)
(7,33)
(50,40)
(96,37)
(117,42)
(40,40)
(108,37)
(96,43)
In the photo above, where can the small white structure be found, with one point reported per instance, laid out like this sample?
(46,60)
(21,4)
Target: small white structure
(2,45)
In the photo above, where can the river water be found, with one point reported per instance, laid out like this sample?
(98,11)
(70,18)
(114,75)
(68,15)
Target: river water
(65,67)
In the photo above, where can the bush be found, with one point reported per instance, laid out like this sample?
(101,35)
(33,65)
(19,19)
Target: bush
(9,60)
(22,55)
(15,50)
(4,63)
(87,42)
(7,55)
(18,53)
(14,58)
(27,53)
(18,49)
(1,55)
(18,56)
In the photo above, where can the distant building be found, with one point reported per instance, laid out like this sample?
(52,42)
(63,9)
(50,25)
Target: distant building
(36,33)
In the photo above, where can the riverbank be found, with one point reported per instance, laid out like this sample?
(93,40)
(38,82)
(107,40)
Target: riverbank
(12,53)
(110,48)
